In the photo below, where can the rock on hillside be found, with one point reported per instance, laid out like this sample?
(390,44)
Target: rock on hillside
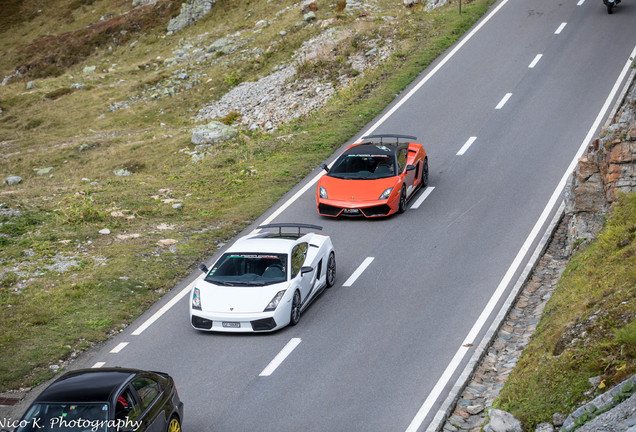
(608,169)
(190,13)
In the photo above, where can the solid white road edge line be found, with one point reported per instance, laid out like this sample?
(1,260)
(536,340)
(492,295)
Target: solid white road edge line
(467,144)
(315,179)
(421,199)
(503,101)
(441,414)
(461,352)
(119,347)
(165,307)
(535,61)
(98,365)
(356,274)
(560,29)
(435,69)
(280,357)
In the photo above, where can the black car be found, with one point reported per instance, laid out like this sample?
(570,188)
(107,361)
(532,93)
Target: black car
(106,400)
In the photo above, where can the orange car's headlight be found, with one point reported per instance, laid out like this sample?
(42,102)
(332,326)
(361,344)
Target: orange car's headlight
(386,193)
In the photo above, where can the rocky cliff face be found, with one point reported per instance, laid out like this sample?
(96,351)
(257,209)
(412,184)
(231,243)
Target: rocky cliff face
(608,169)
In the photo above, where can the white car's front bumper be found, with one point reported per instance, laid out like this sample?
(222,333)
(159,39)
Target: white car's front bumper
(229,322)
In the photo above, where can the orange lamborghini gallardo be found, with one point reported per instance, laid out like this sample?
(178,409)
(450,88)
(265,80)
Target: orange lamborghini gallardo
(373,178)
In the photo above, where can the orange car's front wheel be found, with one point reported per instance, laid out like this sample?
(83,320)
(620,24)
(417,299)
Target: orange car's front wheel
(402,207)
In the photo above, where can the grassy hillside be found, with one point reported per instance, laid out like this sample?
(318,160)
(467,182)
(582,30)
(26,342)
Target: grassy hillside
(588,328)
(63,285)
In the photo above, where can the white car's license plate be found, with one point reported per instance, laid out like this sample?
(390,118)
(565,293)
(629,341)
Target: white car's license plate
(231,324)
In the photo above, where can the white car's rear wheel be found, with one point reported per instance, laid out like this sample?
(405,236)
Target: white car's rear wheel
(331,270)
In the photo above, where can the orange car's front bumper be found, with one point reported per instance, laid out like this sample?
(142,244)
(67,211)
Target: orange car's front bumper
(377,208)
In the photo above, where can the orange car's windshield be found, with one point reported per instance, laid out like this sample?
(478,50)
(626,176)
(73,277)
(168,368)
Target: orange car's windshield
(363,167)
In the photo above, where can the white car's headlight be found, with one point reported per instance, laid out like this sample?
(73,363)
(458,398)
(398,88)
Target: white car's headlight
(323,192)
(275,301)
(196,299)
(386,193)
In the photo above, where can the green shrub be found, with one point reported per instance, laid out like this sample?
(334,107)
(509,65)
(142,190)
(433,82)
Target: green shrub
(81,209)
(58,93)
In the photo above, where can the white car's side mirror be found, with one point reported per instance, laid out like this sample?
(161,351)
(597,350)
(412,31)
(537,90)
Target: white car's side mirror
(306,269)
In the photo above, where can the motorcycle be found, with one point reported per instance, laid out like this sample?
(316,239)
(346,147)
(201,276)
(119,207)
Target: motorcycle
(610,4)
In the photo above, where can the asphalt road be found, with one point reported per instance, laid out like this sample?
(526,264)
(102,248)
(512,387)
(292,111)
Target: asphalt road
(368,354)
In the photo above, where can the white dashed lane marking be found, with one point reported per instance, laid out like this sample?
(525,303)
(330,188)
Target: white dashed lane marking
(356,274)
(503,101)
(119,347)
(280,357)
(421,199)
(465,147)
(535,61)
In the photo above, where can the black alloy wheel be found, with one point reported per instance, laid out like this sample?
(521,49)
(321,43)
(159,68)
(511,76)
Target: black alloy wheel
(424,182)
(331,270)
(295,309)
(402,207)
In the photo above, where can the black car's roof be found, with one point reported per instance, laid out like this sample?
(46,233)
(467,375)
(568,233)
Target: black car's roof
(87,385)
(369,148)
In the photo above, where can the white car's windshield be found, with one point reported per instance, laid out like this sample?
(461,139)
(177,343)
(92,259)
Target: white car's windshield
(363,167)
(63,417)
(249,269)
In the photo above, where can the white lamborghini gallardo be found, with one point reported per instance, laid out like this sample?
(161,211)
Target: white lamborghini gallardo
(264,281)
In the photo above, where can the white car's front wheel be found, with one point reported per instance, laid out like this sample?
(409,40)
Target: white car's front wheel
(295,309)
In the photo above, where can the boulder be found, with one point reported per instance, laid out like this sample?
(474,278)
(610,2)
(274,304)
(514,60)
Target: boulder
(190,13)
(502,421)
(122,172)
(601,404)
(308,6)
(558,419)
(544,427)
(212,133)
(223,45)
(136,3)
(12,180)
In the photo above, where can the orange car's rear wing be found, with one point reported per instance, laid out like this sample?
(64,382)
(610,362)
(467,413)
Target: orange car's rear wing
(396,136)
